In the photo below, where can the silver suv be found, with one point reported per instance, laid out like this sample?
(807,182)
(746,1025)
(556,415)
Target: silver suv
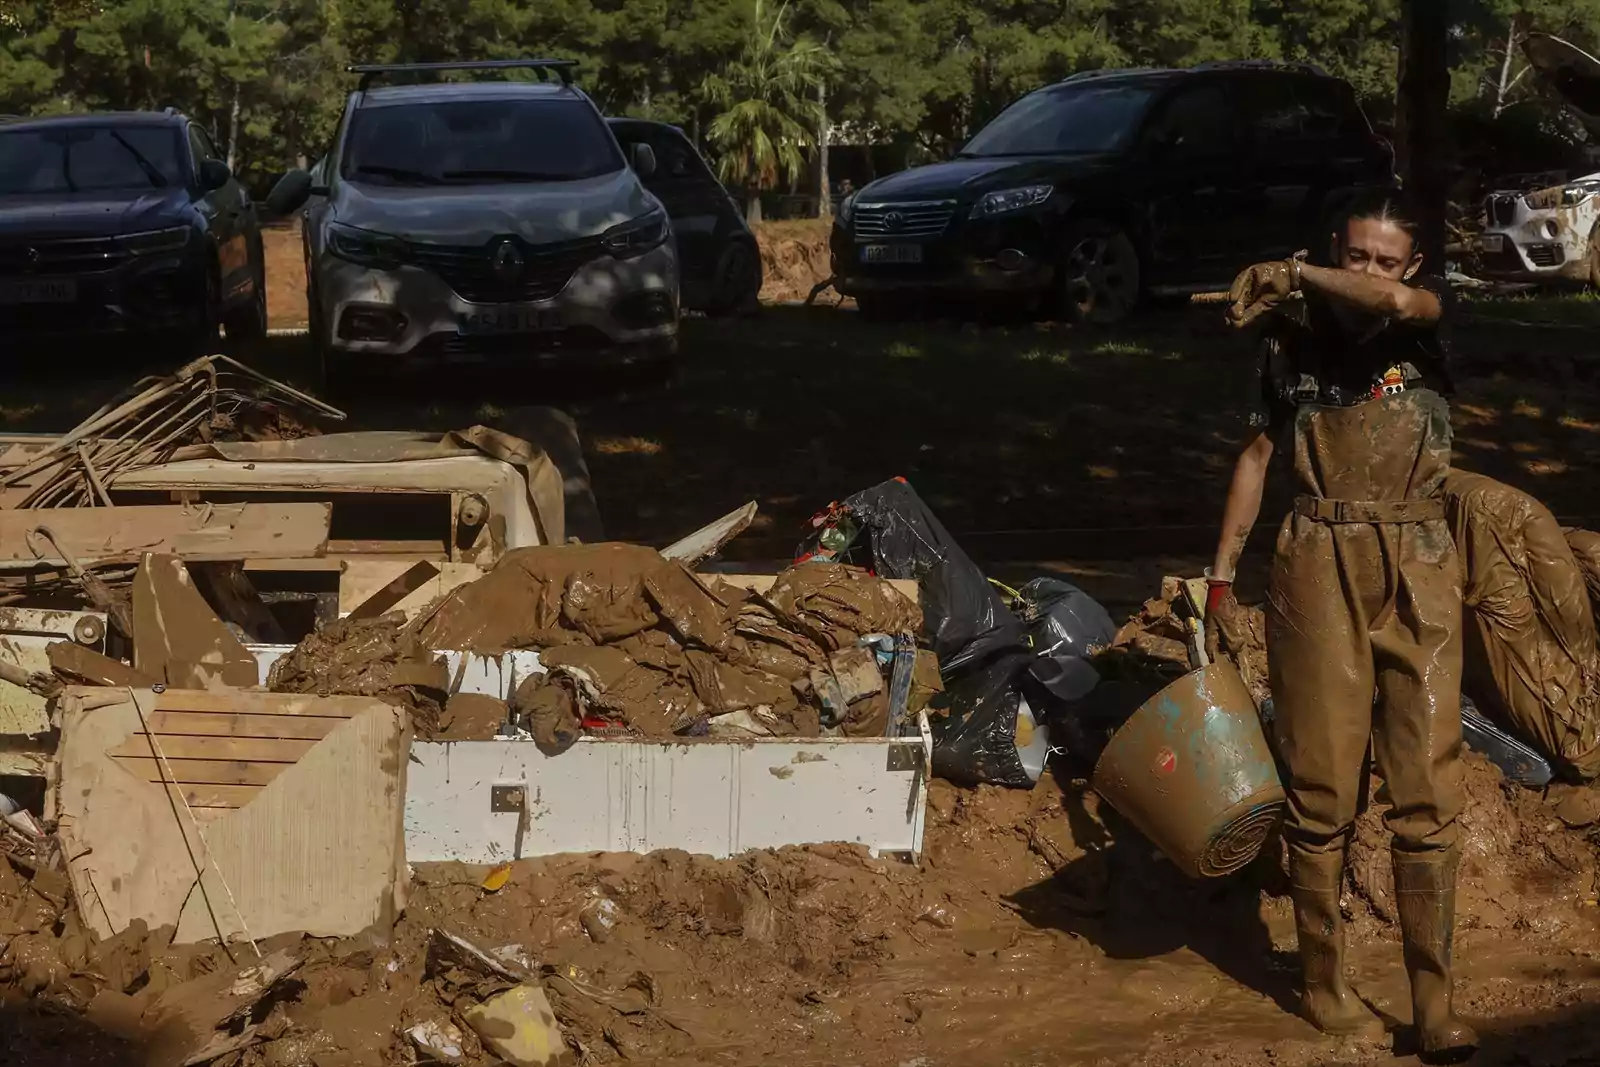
(457,222)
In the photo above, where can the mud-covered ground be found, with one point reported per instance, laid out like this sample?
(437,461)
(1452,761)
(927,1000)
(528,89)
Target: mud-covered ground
(1039,929)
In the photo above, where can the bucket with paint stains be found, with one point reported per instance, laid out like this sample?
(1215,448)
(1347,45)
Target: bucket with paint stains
(1192,770)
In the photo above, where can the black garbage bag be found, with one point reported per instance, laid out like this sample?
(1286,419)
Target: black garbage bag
(976,741)
(964,619)
(1063,621)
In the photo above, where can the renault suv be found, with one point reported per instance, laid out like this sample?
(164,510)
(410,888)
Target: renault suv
(459,222)
(1083,197)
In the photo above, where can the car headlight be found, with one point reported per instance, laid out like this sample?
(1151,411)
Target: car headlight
(151,242)
(1576,194)
(366,248)
(637,236)
(1005,201)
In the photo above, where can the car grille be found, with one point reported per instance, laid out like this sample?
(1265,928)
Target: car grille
(469,269)
(1501,209)
(1546,255)
(573,339)
(903,220)
(77,255)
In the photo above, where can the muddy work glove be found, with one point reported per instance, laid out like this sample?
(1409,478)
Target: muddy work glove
(1226,626)
(1259,289)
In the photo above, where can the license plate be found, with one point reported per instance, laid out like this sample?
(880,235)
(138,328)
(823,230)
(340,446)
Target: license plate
(511,319)
(891,253)
(1492,242)
(38,290)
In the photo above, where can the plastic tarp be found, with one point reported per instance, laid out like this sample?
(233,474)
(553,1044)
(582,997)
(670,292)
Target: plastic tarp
(1531,657)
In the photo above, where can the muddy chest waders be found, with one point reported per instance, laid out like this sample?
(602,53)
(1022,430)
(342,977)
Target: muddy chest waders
(1366,600)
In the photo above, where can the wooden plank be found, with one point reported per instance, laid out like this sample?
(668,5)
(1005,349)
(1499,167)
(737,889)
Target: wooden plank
(364,578)
(217,796)
(205,771)
(182,747)
(409,581)
(424,549)
(208,533)
(255,702)
(218,724)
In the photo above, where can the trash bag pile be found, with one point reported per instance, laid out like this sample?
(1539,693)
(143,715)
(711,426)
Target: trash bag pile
(1013,666)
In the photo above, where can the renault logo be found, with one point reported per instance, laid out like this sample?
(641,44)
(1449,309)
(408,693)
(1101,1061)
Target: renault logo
(507,263)
(893,220)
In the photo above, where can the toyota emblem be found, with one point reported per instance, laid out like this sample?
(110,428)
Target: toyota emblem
(893,220)
(507,262)
(35,257)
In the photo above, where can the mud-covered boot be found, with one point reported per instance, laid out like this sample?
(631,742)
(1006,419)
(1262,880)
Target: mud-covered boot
(1328,1002)
(1425,894)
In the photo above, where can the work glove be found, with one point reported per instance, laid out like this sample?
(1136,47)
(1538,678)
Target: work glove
(1259,289)
(1226,626)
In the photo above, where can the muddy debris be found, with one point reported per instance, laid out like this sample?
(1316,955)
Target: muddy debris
(375,658)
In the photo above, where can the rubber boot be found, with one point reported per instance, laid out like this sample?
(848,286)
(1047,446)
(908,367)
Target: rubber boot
(1425,892)
(1328,1002)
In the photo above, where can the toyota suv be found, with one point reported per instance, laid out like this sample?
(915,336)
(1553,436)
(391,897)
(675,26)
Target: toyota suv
(1083,197)
(462,221)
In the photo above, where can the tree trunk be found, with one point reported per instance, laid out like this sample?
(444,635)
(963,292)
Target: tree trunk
(752,211)
(1423,98)
(233,126)
(824,201)
(1505,67)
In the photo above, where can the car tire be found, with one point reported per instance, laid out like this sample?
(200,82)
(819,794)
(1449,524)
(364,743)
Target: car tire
(207,338)
(736,286)
(1098,275)
(249,323)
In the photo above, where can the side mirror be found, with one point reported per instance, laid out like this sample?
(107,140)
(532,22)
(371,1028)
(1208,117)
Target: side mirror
(214,174)
(644,160)
(290,194)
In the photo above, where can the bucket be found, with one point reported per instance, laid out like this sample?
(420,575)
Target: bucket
(1191,769)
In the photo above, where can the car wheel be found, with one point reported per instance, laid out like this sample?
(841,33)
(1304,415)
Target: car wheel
(1099,277)
(737,284)
(207,340)
(249,323)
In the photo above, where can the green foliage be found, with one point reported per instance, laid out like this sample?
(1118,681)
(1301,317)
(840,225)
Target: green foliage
(267,76)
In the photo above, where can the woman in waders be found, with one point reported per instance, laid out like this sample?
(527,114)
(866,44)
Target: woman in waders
(1364,613)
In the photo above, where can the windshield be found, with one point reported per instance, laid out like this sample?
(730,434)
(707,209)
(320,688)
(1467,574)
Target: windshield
(476,141)
(1067,118)
(75,159)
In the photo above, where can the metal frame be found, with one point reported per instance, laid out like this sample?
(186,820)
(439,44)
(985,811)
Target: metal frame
(562,68)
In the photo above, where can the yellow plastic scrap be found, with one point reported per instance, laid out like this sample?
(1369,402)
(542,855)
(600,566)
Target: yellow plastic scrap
(497,878)
(519,1027)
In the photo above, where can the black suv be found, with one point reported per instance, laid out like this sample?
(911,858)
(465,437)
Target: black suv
(1086,195)
(125,224)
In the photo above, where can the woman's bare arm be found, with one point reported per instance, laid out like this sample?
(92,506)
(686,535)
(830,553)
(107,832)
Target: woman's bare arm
(1370,293)
(1243,506)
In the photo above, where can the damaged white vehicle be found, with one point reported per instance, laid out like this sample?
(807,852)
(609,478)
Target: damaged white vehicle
(1548,235)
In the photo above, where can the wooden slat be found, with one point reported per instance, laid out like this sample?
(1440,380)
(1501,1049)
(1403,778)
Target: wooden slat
(206,772)
(123,534)
(218,796)
(218,724)
(424,549)
(230,749)
(249,702)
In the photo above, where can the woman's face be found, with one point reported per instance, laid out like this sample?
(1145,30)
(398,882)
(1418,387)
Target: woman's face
(1376,247)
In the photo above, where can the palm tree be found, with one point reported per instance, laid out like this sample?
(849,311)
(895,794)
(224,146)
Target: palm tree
(768,98)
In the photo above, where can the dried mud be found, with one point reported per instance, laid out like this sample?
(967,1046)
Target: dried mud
(1039,928)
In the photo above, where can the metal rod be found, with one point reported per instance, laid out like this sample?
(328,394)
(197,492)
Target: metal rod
(94,478)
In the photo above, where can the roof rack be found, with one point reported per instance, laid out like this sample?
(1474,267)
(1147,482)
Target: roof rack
(561,68)
(1108,72)
(1263,64)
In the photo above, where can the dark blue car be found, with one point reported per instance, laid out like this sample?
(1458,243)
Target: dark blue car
(127,225)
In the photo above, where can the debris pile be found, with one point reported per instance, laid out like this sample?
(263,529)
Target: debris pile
(633,641)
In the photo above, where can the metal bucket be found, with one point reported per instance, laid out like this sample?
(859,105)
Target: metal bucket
(1192,770)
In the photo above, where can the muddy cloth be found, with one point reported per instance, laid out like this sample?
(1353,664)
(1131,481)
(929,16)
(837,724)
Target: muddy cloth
(834,604)
(1531,658)
(1585,547)
(372,658)
(550,596)
(1368,604)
